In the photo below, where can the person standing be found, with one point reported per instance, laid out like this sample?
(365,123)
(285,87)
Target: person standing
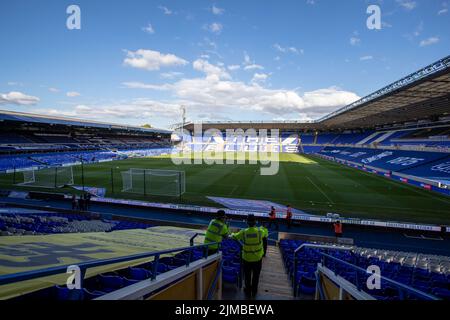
(289,216)
(252,254)
(88,201)
(74,202)
(217,230)
(273,217)
(338,229)
(81,203)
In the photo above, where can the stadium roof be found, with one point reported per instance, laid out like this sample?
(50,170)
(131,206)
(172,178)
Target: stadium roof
(420,95)
(56,120)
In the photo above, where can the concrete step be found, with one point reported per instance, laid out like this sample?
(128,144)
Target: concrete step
(274,281)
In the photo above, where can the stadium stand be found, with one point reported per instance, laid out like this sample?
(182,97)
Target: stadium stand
(103,283)
(401,130)
(430,274)
(40,223)
(28,141)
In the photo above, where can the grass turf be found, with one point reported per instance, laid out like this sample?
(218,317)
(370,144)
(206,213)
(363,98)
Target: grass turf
(306,182)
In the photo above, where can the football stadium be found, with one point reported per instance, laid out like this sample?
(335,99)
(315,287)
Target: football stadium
(353,205)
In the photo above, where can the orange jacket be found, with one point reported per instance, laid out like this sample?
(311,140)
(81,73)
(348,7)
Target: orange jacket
(289,214)
(273,214)
(338,228)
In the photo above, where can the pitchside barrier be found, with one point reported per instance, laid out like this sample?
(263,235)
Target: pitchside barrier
(298,217)
(154,182)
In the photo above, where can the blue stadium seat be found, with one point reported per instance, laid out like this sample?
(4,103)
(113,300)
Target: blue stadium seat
(307,285)
(89,295)
(63,293)
(139,273)
(442,293)
(110,283)
(230,274)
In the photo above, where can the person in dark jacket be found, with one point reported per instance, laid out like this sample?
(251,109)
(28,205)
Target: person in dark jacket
(74,202)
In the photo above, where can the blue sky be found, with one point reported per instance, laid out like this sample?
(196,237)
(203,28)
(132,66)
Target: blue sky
(136,62)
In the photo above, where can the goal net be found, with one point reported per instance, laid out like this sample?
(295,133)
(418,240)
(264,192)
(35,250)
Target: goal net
(154,182)
(48,177)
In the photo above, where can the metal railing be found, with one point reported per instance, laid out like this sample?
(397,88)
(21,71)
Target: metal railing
(310,245)
(404,290)
(34,274)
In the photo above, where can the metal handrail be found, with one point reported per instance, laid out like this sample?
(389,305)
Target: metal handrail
(29,275)
(191,240)
(401,287)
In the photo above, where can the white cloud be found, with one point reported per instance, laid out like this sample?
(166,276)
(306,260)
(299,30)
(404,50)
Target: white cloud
(224,96)
(216,10)
(210,70)
(18,98)
(208,42)
(253,67)
(171,75)
(259,77)
(13,83)
(152,60)
(246,58)
(365,58)
(231,95)
(442,11)
(355,41)
(149,29)
(214,27)
(166,10)
(54,90)
(136,109)
(249,64)
(234,67)
(73,94)
(419,29)
(407,4)
(430,41)
(215,93)
(140,85)
(287,49)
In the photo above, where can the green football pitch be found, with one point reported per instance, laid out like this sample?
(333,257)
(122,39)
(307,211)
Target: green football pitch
(308,183)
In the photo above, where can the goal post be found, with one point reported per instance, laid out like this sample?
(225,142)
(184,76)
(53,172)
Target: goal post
(154,182)
(55,177)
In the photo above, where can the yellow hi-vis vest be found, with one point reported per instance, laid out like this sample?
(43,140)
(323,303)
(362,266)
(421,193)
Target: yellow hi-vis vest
(252,249)
(216,230)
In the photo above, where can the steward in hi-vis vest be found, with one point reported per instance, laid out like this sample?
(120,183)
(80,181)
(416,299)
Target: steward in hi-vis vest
(252,254)
(216,231)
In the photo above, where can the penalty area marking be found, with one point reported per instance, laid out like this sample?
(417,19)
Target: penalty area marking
(331,201)
(234,189)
